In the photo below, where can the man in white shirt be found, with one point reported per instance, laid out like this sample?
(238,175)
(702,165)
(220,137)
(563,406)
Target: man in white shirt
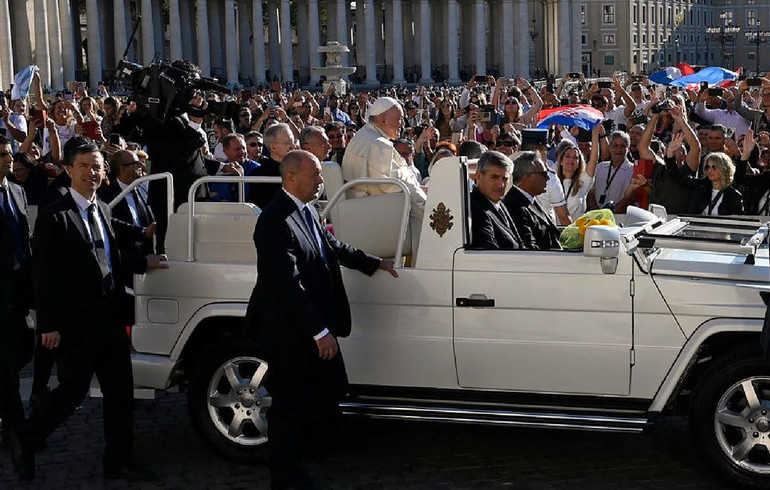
(725,117)
(613,177)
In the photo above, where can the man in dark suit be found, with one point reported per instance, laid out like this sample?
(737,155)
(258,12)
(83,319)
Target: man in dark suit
(530,177)
(77,281)
(16,338)
(279,140)
(298,308)
(492,226)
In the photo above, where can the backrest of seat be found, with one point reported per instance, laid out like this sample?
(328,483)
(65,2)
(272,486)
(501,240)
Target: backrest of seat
(372,223)
(333,182)
(223,232)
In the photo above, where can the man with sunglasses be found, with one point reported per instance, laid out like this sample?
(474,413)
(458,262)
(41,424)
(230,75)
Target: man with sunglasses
(530,178)
(254,145)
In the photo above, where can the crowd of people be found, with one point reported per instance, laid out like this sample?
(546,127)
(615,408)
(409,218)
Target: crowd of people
(696,150)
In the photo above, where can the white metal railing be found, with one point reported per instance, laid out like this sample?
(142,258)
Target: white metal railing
(404,216)
(228,179)
(147,178)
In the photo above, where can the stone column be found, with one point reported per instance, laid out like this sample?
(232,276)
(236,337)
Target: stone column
(231,48)
(301,55)
(216,39)
(577,45)
(565,37)
(425,65)
(314,38)
(148,36)
(287,58)
(42,55)
(453,45)
(120,29)
(245,44)
(6,45)
(371,53)
(54,45)
(481,38)
(94,43)
(275,46)
(258,46)
(507,33)
(202,35)
(22,34)
(175,30)
(67,43)
(188,39)
(342,26)
(523,39)
(398,43)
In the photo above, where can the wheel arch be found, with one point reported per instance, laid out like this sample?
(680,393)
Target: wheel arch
(710,341)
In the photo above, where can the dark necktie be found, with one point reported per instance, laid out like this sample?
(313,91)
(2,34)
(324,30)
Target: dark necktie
(508,221)
(97,240)
(314,231)
(141,208)
(13,225)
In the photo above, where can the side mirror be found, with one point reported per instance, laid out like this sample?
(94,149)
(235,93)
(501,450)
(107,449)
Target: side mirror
(604,242)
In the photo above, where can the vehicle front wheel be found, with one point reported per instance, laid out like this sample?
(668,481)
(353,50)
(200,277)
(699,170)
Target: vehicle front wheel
(228,401)
(730,418)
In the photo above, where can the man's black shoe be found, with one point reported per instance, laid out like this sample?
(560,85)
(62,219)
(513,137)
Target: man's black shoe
(127,471)
(22,457)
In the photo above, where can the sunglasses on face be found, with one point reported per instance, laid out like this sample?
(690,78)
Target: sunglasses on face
(254,144)
(511,102)
(709,167)
(509,144)
(544,173)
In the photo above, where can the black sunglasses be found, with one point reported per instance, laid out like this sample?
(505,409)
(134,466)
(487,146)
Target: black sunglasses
(254,144)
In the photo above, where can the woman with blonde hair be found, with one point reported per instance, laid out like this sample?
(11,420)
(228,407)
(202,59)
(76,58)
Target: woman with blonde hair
(715,194)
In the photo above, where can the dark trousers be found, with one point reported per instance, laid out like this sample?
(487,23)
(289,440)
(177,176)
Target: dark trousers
(16,341)
(44,360)
(302,401)
(102,349)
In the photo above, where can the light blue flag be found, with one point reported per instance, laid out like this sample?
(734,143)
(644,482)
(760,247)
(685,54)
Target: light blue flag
(22,81)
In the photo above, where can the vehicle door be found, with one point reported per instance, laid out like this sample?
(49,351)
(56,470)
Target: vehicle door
(541,321)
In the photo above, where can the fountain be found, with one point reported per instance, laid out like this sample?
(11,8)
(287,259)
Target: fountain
(334,71)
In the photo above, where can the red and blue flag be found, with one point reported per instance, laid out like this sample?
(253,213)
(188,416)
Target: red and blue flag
(580,115)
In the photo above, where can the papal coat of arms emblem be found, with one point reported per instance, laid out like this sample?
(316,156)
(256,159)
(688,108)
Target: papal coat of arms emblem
(441,219)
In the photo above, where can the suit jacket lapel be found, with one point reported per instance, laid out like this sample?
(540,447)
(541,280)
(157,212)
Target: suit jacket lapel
(74,215)
(299,220)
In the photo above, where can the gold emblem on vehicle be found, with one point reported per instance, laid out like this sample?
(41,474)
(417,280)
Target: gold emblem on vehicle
(441,219)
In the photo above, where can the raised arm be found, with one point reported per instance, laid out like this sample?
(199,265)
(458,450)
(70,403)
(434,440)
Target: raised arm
(630,105)
(593,159)
(537,102)
(644,141)
(693,156)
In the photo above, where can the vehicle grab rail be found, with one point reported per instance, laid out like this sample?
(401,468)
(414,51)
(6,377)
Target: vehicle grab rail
(147,178)
(404,216)
(241,180)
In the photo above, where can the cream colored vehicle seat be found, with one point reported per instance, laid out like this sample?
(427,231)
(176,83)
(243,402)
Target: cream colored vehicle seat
(368,223)
(223,232)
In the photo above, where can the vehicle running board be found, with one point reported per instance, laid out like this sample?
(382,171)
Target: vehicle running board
(548,420)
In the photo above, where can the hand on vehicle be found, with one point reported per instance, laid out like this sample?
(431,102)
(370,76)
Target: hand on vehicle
(157,261)
(388,266)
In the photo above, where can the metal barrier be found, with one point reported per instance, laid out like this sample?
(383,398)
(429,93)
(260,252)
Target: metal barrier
(404,217)
(147,178)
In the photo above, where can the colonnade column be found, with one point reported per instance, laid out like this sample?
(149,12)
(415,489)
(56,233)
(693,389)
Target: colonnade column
(371,53)
(287,61)
(94,43)
(523,40)
(398,43)
(54,45)
(6,47)
(258,33)
(314,39)
(175,30)
(119,26)
(22,35)
(67,40)
(42,54)
(481,38)
(342,25)
(245,42)
(148,36)
(507,35)
(425,65)
(453,45)
(231,48)
(202,31)
(272,30)
(577,45)
(565,37)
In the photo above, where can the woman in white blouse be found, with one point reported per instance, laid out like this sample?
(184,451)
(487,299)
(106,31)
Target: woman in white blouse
(577,177)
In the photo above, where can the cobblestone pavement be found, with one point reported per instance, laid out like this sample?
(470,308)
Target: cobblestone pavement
(380,454)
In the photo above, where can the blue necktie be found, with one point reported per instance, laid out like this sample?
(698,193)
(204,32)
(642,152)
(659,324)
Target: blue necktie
(99,250)
(314,230)
(13,225)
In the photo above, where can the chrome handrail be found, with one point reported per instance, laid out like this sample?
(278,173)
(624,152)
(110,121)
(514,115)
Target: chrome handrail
(239,179)
(147,178)
(404,217)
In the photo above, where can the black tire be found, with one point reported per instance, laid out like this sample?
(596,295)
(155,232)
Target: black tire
(736,443)
(240,358)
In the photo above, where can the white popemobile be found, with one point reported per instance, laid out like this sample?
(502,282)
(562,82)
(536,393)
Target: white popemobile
(658,316)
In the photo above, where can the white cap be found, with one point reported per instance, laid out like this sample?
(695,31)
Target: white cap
(381,105)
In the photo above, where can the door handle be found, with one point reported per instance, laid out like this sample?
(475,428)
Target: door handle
(475,301)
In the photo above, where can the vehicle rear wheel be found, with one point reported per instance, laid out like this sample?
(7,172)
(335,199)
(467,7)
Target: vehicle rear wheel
(228,401)
(730,418)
